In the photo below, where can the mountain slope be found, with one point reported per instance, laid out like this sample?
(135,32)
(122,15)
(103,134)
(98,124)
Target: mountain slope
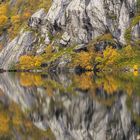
(70,22)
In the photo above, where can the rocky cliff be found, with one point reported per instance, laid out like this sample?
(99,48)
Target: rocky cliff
(79,22)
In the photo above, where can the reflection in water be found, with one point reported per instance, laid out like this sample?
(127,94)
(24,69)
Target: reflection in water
(69,106)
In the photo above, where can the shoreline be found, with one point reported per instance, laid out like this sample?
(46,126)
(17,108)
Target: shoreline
(70,70)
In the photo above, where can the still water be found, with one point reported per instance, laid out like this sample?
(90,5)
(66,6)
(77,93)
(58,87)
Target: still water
(69,106)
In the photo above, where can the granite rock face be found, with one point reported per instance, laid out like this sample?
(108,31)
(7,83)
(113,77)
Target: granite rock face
(37,19)
(79,21)
(21,45)
(85,20)
(82,20)
(136,32)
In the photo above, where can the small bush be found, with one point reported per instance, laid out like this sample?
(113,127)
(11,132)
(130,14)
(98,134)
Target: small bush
(48,52)
(83,59)
(3,21)
(108,58)
(15,19)
(3,9)
(29,62)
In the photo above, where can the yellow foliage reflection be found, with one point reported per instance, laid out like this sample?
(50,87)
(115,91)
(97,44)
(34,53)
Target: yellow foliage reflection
(136,73)
(84,81)
(12,118)
(110,84)
(29,79)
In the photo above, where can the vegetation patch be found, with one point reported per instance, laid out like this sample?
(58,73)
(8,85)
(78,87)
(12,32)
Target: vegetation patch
(128,31)
(14,17)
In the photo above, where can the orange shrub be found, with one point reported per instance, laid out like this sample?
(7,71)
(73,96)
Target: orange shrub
(3,20)
(49,52)
(15,19)
(26,62)
(110,55)
(109,58)
(3,9)
(29,62)
(83,59)
(26,15)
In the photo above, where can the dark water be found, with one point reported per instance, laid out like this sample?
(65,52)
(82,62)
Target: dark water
(69,106)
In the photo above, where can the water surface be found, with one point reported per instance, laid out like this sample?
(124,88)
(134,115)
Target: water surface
(69,106)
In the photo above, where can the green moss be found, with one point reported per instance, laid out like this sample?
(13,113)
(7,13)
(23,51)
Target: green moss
(135,20)
(12,66)
(138,6)
(133,23)
(22,8)
(50,36)
(128,35)
(61,53)
(105,37)
(112,16)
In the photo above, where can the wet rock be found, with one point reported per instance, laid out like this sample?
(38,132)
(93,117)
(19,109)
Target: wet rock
(12,88)
(79,116)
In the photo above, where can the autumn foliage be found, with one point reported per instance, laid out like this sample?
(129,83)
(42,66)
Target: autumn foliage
(18,14)
(83,59)
(3,9)
(29,62)
(3,20)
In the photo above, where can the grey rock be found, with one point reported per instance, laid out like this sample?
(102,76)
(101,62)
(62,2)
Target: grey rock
(102,45)
(4,38)
(81,47)
(19,46)
(12,88)
(85,20)
(136,32)
(81,21)
(64,60)
(65,39)
(41,49)
(62,42)
(47,39)
(37,19)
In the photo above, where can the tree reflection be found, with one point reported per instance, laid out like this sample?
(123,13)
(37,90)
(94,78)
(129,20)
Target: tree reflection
(70,106)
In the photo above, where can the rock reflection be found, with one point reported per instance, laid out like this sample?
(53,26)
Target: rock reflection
(83,107)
